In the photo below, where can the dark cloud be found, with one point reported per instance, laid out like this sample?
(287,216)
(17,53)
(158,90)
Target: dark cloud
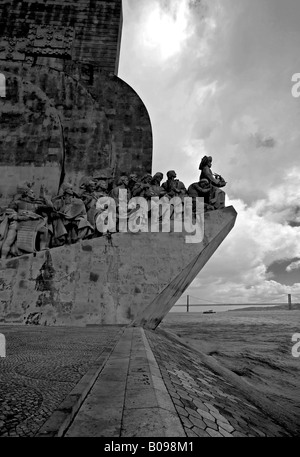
(281,272)
(261,142)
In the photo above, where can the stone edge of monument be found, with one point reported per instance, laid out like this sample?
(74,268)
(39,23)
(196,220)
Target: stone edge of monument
(168,414)
(149,317)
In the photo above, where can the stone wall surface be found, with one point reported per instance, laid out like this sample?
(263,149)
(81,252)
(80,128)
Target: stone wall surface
(53,127)
(31,141)
(100,281)
(83,30)
(66,113)
(129,122)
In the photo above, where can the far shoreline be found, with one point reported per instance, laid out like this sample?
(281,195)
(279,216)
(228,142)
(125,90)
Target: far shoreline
(236,307)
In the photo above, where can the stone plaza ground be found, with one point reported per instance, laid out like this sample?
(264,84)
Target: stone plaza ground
(115,381)
(42,366)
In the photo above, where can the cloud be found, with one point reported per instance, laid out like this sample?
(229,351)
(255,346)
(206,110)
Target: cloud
(293,266)
(261,142)
(238,271)
(282,202)
(216,78)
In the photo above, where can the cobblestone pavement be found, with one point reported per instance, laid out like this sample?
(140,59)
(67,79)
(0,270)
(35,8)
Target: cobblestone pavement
(42,366)
(207,404)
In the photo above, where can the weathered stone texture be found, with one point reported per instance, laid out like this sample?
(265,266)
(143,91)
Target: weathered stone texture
(54,126)
(65,113)
(129,122)
(84,30)
(34,121)
(31,143)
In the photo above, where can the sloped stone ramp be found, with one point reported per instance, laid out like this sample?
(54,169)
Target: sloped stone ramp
(152,385)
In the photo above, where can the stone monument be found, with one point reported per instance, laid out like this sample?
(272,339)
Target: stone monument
(70,128)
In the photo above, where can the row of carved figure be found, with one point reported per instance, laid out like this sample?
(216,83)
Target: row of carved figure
(30,224)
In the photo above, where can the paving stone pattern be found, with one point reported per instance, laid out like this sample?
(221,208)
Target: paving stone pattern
(207,404)
(41,367)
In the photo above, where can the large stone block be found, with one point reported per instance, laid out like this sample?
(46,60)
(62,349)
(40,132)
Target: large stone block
(67,286)
(55,128)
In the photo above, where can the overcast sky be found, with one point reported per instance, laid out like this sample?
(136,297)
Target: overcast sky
(215,76)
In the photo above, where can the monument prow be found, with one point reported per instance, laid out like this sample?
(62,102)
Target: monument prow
(217,225)
(132,278)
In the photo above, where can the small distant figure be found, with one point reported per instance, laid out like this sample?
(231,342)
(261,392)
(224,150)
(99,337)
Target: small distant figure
(102,183)
(105,174)
(8,232)
(87,193)
(174,187)
(142,187)
(70,221)
(201,189)
(25,226)
(206,173)
(123,183)
(217,197)
(133,181)
(155,185)
(121,199)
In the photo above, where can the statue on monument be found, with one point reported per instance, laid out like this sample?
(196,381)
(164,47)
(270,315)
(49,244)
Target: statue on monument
(25,226)
(133,181)
(8,232)
(174,187)
(30,224)
(91,190)
(217,197)
(70,221)
(201,189)
(123,183)
(142,187)
(156,188)
(103,179)
(87,193)
(148,186)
